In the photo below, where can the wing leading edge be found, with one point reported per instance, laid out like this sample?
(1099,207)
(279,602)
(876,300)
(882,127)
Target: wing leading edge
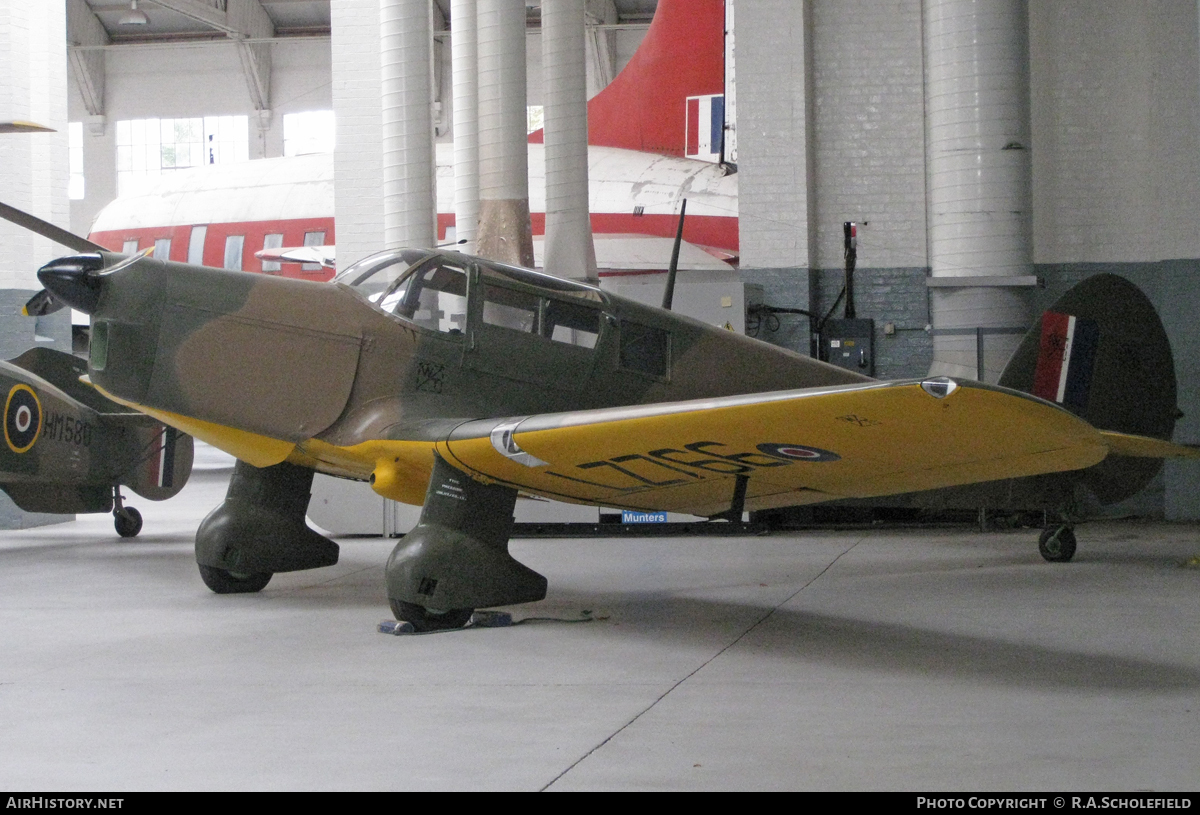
(789,447)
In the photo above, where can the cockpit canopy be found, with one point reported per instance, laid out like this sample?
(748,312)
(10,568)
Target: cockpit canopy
(431,289)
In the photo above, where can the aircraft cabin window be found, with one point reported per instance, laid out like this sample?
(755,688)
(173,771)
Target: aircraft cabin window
(645,349)
(129,247)
(512,309)
(274,241)
(313,239)
(434,297)
(162,249)
(571,323)
(196,245)
(233,252)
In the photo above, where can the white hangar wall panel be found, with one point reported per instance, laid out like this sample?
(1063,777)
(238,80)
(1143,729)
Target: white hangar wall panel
(1115,99)
(191,81)
(868,84)
(831,128)
(774,109)
(1116,131)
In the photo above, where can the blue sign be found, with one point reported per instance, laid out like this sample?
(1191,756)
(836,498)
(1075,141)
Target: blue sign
(628,517)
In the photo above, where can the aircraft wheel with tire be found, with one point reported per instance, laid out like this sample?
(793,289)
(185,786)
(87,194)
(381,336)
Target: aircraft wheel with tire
(424,619)
(1057,543)
(128,522)
(223,581)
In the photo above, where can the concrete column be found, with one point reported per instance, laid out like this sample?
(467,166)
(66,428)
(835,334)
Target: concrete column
(978,169)
(358,157)
(570,251)
(505,233)
(464,45)
(407,124)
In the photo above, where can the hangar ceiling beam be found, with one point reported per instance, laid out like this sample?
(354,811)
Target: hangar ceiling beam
(239,20)
(84,28)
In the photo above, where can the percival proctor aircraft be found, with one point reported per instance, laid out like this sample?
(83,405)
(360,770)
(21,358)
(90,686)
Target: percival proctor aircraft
(458,383)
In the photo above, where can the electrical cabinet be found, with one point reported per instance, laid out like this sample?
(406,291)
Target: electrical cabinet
(849,344)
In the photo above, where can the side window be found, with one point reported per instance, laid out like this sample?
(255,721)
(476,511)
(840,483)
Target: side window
(274,241)
(571,323)
(162,249)
(233,252)
(313,239)
(130,247)
(507,308)
(645,349)
(196,245)
(434,297)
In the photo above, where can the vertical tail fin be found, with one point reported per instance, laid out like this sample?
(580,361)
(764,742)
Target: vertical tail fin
(645,108)
(1101,352)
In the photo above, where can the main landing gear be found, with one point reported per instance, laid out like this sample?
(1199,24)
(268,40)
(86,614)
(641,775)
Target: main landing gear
(127,520)
(259,529)
(1057,543)
(456,558)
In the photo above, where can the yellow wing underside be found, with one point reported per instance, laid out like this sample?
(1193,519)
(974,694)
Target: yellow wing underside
(791,448)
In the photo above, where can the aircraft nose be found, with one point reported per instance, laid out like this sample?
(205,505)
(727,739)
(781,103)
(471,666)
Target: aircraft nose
(75,280)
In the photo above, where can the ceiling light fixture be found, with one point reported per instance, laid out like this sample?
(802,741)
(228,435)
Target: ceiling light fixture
(133,17)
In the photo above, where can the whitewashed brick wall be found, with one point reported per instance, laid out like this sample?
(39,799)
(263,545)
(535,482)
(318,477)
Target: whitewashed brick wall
(1116,130)
(773,134)
(868,83)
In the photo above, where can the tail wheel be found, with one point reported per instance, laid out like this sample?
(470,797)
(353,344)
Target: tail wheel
(128,522)
(424,619)
(1057,543)
(223,581)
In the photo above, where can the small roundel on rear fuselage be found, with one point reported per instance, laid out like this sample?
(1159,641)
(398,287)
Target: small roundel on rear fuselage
(22,418)
(798,452)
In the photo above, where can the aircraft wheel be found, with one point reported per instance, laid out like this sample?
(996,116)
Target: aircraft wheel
(424,619)
(1057,543)
(128,522)
(225,582)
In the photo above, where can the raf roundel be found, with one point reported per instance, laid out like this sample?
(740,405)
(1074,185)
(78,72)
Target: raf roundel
(798,452)
(22,418)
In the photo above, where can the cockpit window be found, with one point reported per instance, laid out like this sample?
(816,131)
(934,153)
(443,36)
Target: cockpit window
(430,291)
(376,274)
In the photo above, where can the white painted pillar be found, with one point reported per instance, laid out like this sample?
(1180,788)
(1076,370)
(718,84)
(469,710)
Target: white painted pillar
(33,166)
(504,233)
(978,174)
(570,251)
(409,204)
(464,56)
(358,156)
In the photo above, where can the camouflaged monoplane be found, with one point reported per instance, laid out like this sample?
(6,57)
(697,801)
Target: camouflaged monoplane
(458,383)
(67,449)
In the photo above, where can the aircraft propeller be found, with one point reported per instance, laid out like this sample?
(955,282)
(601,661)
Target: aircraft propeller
(70,275)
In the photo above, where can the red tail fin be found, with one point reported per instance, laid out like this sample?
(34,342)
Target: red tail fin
(645,107)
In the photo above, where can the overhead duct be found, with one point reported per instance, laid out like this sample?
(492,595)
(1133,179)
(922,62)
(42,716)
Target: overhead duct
(464,57)
(408,174)
(978,174)
(505,233)
(569,248)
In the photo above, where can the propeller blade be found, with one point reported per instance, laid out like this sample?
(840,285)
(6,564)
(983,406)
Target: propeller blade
(41,304)
(19,126)
(48,230)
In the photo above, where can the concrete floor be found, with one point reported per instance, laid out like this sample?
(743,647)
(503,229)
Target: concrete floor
(882,659)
